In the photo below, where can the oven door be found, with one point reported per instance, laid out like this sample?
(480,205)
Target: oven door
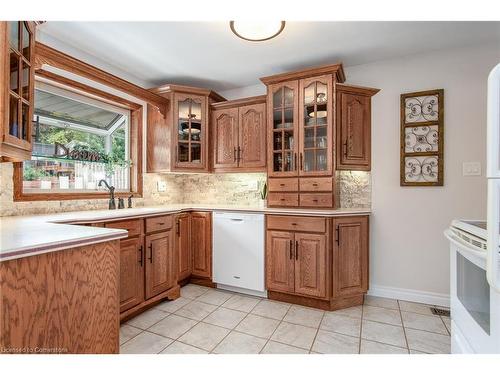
(472,300)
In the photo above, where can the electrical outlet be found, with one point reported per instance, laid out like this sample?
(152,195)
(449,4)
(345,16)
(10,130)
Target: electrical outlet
(161,186)
(471,168)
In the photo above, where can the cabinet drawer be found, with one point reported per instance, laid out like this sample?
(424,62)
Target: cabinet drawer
(297,223)
(283,199)
(316,200)
(283,184)
(134,227)
(154,224)
(316,184)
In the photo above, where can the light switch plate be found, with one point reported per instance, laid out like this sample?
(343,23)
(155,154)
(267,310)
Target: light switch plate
(253,185)
(471,168)
(161,186)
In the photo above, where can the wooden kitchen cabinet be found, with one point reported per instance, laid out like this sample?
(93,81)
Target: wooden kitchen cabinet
(354,127)
(296,262)
(131,273)
(183,246)
(350,255)
(179,142)
(307,265)
(201,244)
(301,125)
(17,40)
(280,261)
(239,135)
(310,264)
(148,263)
(161,272)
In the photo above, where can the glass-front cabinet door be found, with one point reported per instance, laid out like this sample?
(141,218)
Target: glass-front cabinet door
(20,36)
(316,127)
(190,132)
(284,115)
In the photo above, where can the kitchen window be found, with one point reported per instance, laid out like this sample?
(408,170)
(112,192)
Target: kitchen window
(77,141)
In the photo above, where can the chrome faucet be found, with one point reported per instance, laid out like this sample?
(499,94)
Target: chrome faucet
(112,204)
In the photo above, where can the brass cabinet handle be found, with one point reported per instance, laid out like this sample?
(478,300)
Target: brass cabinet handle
(239,153)
(337,235)
(315,184)
(140,255)
(290,248)
(296,249)
(234,155)
(344,147)
(150,253)
(301,162)
(295,161)
(178,227)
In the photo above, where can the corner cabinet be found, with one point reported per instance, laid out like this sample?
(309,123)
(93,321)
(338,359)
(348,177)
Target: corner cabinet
(179,142)
(317,261)
(354,127)
(238,131)
(17,39)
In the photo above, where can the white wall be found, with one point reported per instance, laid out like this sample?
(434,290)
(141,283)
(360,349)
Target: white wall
(409,256)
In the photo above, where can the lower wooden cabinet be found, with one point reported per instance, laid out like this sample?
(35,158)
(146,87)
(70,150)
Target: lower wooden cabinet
(131,273)
(310,264)
(148,262)
(307,264)
(350,256)
(280,261)
(161,273)
(201,244)
(183,245)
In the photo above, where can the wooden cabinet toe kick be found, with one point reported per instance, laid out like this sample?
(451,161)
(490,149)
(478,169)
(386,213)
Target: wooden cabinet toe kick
(171,294)
(323,304)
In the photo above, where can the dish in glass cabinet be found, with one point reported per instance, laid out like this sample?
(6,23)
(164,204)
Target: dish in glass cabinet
(319,114)
(321,97)
(193,131)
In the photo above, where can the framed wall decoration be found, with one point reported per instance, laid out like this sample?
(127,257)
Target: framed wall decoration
(422,138)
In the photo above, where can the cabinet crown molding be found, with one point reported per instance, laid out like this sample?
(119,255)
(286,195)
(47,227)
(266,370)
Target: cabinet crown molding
(336,69)
(169,87)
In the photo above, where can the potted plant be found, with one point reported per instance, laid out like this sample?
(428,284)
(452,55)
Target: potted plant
(263,195)
(32,177)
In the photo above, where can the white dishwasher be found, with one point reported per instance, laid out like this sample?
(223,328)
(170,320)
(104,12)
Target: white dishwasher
(238,252)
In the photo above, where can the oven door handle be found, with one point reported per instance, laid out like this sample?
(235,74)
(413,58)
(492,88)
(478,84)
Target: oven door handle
(465,246)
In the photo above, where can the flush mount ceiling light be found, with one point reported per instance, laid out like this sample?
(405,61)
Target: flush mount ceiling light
(257,31)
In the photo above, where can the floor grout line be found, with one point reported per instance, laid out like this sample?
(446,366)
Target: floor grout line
(280,321)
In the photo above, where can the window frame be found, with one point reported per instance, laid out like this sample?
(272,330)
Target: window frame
(134,143)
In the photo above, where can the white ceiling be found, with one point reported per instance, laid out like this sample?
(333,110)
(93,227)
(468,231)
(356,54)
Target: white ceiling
(207,54)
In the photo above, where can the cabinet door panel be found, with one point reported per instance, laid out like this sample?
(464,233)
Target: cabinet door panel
(201,244)
(225,138)
(252,136)
(310,264)
(353,149)
(183,245)
(282,139)
(350,256)
(279,261)
(316,126)
(131,273)
(161,271)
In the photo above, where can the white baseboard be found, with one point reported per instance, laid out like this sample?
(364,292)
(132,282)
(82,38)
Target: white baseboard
(412,295)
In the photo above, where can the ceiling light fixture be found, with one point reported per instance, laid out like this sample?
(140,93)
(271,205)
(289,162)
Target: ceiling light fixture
(257,31)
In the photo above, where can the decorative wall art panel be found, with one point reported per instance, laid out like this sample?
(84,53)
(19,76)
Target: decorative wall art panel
(421,138)
(422,135)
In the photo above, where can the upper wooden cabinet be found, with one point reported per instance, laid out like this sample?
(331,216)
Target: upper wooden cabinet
(180,140)
(238,131)
(354,127)
(17,39)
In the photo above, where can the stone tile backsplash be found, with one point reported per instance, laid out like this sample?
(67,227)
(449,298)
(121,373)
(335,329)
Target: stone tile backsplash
(353,189)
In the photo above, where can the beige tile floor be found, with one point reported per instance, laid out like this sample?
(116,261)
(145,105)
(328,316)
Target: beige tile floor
(205,320)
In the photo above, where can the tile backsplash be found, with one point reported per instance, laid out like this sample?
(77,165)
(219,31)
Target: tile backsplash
(353,188)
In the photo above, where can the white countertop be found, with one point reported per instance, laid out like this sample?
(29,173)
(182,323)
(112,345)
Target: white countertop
(22,236)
